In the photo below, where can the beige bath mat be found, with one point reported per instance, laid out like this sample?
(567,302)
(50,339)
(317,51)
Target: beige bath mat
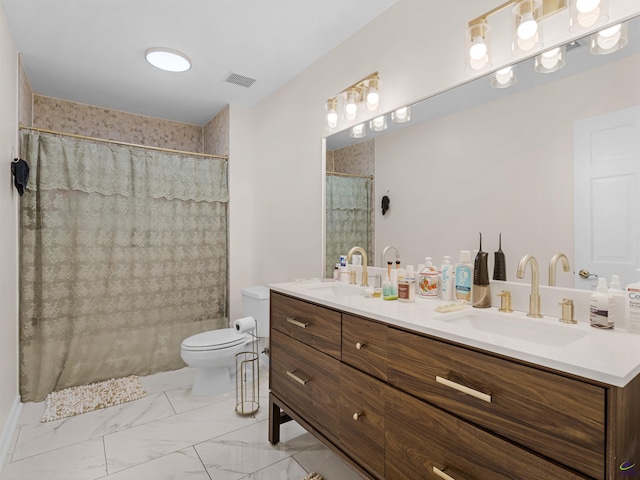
(86,398)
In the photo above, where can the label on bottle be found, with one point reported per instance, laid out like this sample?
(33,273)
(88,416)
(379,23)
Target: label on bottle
(463,283)
(403,291)
(599,318)
(428,284)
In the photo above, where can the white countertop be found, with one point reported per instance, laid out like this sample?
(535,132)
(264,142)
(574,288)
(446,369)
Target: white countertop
(607,356)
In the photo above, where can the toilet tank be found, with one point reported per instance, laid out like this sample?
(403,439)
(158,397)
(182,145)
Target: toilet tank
(255,303)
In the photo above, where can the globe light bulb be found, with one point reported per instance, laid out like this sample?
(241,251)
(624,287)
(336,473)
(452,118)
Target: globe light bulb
(608,37)
(504,75)
(401,113)
(586,6)
(332,119)
(373,99)
(528,27)
(478,49)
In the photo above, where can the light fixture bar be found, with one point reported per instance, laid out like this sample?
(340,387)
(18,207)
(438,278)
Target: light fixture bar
(549,7)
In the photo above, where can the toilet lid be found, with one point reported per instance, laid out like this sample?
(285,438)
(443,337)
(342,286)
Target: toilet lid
(214,339)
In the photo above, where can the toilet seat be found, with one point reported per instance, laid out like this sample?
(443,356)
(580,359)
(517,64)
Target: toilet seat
(214,340)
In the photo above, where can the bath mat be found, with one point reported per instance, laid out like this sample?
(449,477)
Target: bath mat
(86,398)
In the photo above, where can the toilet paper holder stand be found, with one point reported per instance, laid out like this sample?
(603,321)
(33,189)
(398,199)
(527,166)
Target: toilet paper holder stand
(248,377)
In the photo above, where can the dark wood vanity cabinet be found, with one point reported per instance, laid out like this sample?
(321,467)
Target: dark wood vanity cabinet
(401,405)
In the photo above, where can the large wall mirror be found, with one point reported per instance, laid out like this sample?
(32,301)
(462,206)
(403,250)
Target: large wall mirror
(552,163)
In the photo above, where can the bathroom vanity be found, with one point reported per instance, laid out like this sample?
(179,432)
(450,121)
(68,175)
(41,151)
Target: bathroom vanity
(403,392)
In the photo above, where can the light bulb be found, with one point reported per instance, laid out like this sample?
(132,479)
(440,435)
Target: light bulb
(608,37)
(478,48)
(373,99)
(504,75)
(378,124)
(332,119)
(358,131)
(350,110)
(551,58)
(586,6)
(401,113)
(378,121)
(528,27)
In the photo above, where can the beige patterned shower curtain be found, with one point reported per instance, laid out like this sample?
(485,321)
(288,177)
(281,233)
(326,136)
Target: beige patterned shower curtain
(123,255)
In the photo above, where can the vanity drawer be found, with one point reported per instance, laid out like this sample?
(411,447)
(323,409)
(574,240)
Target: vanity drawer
(362,418)
(420,437)
(316,326)
(307,381)
(559,417)
(364,345)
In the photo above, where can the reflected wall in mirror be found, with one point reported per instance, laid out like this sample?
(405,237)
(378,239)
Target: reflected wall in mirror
(510,164)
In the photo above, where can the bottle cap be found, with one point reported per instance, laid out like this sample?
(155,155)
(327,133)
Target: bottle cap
(465,256)
(428,262)
(615,283)
(602,285)
(446,260)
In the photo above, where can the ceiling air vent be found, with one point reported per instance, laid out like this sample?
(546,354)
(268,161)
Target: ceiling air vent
(238,79)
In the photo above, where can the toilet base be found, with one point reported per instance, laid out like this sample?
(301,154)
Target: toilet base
(212,381)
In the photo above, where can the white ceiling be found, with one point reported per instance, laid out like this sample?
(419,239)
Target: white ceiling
(92,51)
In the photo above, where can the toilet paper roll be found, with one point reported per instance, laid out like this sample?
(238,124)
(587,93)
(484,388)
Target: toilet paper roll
(244,325)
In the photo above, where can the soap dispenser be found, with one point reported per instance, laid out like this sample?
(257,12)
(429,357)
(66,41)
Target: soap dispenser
(481,292)
(601,306)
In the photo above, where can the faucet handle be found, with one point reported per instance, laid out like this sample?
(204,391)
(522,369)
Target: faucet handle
(567,311)
(505,301)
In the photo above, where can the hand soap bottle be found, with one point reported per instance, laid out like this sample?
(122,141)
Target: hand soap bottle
(464,276)
(428,283)
(481,289)
(601,306)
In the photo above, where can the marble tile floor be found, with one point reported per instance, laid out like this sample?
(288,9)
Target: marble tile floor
(167,435)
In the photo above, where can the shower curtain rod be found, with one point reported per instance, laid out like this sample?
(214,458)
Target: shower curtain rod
(116,142)
(350,175)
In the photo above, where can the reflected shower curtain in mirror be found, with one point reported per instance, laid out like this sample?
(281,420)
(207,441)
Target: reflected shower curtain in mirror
(348,218)
(123,255)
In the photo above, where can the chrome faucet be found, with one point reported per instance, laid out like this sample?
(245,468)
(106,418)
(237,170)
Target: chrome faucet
(365,274)
(384,254)
(534,298)
(552,266)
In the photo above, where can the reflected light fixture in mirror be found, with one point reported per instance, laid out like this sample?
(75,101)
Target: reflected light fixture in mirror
(551,60)
(587,13)
(401,115)
(609,40)
(168,59)
(378,124)
(358,131)
(503,78)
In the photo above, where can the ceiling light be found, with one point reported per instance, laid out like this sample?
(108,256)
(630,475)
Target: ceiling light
(551,60)
(358,131)
(609,40)
(401,115)
(352,98)
(503,78)
(167,59)
(587,13)
(378,124)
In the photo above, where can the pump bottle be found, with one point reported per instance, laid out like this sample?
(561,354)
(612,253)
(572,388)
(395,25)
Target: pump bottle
(632,306)
(601,306)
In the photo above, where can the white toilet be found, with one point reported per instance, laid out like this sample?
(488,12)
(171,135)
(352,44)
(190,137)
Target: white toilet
(213,353)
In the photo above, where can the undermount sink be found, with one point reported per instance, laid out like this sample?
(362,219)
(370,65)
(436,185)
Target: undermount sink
(525,329)
(336,288)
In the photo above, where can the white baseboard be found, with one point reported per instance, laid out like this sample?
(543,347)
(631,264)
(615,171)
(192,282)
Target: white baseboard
(9,428)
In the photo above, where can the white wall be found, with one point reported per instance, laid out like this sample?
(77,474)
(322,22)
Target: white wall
(495,168)
(8,228)
(418,48)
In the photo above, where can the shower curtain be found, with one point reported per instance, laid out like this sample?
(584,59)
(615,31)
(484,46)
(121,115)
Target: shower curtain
(348,218)
(123,255)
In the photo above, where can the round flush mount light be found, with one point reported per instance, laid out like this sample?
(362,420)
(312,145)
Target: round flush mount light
(168,59)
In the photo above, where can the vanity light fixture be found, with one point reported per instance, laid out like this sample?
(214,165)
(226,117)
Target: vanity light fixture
(168,59)
(527,15)
(401,115)
(587,13)
(503,78)
(609,40)
(378,124)
(551,60)
(478,43)
(358,131)
(362,95)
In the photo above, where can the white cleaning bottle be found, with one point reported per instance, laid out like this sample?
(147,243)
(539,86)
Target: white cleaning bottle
(464,276)
(632,306)
(601,306)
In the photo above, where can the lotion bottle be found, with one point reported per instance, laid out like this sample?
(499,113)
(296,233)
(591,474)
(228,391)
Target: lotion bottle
(632,306)
(601,306)
(448,283)
(464,276)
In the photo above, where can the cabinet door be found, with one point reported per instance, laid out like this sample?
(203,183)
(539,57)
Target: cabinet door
(364,345)
(361,429)
(559,417)
(421,441)
(307,381)
(317,326)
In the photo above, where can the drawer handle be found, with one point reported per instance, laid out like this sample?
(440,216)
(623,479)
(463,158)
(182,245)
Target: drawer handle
(441,474)
(357,415)
(297,322)
(301,381)
(463,389)
(359,345)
